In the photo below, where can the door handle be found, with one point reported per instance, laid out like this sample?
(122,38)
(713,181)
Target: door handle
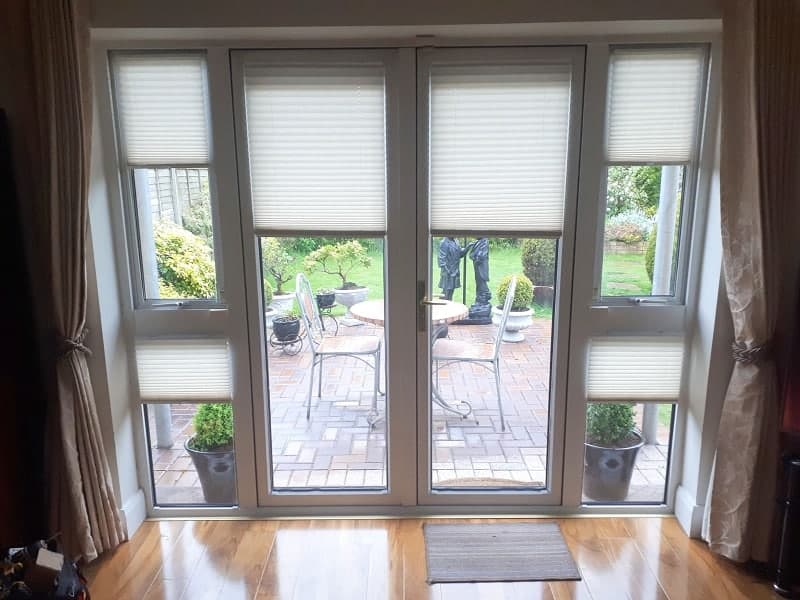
(426,302)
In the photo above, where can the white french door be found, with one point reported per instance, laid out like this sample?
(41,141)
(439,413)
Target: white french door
(499,132)
(394,150)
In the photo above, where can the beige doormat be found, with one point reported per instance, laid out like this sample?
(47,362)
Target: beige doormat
(497,552)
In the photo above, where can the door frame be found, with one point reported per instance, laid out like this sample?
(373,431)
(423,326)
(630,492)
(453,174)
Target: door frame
(552,494)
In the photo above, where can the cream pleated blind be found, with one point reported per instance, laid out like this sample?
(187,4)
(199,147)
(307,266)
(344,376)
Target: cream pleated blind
(654,104)
(498,147)
(317,144)
(184,369)
(635,369)
(162,108)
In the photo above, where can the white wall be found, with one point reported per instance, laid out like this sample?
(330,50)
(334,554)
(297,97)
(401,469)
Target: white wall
(108,364)
(309,13)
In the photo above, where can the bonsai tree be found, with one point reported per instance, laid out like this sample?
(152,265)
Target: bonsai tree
(523,293)
(339,259)
(276,261)
(610,424)
(213,428)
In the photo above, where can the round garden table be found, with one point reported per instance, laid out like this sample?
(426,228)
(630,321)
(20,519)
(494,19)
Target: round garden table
(372,311)
(442,312)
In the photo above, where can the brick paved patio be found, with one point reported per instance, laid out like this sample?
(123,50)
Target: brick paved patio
(337,448)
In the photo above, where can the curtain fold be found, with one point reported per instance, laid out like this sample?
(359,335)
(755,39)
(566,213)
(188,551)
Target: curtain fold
(83,506)
(759,158)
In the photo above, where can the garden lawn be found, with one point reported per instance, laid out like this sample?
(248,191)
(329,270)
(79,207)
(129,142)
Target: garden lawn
(502,262)
(624,274)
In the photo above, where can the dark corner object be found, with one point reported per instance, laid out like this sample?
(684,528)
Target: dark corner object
(787,576)
(22,503)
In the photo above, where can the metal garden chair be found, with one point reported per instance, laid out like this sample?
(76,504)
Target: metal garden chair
(324,346)
(446,351)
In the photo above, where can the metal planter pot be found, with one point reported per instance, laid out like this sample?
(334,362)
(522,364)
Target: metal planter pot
(608,471)
(285,329)
(217,473)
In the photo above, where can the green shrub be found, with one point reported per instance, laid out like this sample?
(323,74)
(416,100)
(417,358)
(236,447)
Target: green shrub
(609,424)
(213,427)
(539,260)
(339,259)
(185,263)
(276,261)
(267,292)
(523,293)
(650,254)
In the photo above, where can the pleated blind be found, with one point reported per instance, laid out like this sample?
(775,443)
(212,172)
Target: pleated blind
(184,369)
(653,104)
(635,369)
(317,144)
(162,108)
(498,147)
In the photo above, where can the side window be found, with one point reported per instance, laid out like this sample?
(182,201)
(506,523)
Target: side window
(162,112)
(655,100)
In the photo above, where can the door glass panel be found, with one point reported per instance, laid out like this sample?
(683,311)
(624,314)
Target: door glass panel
(475,444)
(192,459)
(627,452)
(329,433)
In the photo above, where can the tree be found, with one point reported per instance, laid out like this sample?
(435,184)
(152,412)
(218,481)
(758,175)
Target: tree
(339,259)
(276,261)
(633,189)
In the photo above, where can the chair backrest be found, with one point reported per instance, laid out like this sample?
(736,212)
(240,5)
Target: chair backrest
(308,308)
(512,287)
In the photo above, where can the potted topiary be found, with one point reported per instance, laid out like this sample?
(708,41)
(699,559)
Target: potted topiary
(612,444)
(340,259)
(211,450)
(269,311)
(521,315)
(276,261)
(286,327)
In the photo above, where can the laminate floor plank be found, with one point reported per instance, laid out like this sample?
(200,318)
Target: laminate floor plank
(640,558)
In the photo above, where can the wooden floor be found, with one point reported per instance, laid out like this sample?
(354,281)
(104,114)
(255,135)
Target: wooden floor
(637,558)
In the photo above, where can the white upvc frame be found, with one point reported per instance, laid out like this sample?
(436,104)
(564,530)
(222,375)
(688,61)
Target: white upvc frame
(133,232)
(594,317)
(399,340)
(689,190)
(195,318)
(217,44)
(567,55)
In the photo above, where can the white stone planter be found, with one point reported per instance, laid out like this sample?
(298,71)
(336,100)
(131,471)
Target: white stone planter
(269,314)
(282,303)
(517,321)
(348,298)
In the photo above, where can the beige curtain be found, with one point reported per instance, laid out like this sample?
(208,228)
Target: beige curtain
(82,500)
(759,162)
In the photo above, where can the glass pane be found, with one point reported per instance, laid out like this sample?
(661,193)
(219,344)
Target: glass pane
(176,237)
(192,459)
(326,411)
(627,453)
(475,443)
(642,230)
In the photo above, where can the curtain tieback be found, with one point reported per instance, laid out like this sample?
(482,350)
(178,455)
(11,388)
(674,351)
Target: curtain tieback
(74,344)
(752,355)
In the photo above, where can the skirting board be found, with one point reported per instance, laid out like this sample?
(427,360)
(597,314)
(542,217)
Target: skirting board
(134,512)
(688,513)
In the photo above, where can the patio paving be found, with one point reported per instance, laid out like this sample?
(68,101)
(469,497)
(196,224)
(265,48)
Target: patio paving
(337,448)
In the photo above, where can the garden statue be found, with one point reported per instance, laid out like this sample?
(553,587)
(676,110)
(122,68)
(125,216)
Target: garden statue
(479,254)
(450,255)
